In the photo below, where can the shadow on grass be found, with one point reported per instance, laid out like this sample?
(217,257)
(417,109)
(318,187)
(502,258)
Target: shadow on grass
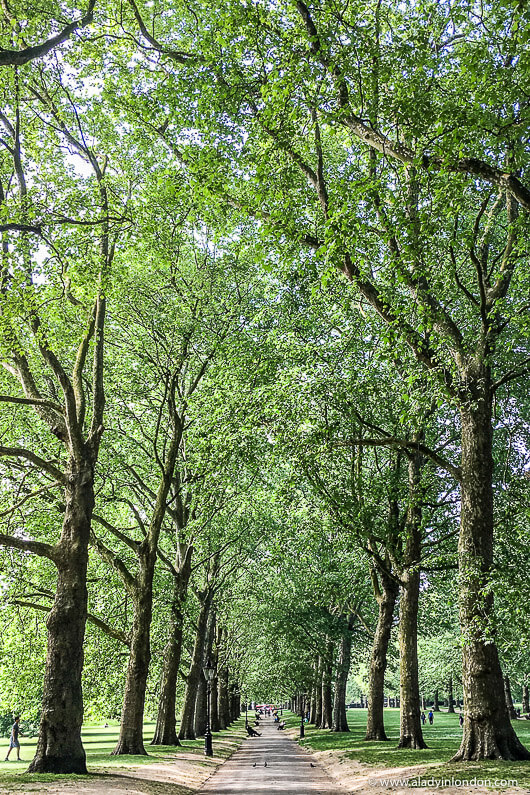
(442,738)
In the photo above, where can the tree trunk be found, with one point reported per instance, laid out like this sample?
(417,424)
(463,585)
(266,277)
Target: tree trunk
(214,696)
(386,598)
(214,706)
(201,702)
(234,702)
(131,729)
(436,705)
(313,700)
(508,698)
(450,698)
(131,740)
(318,695)
(340,722)
(410,725)
(327,697)
(487,731)
(187,722)
(166,722)
(224,717)
(201,705)
(526,700)
(59,747)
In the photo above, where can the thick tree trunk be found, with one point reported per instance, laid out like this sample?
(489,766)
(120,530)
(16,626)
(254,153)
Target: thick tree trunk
(526,699)
(327,696)
(436,705)
(410,725)
(187,722)
(59,747)
(201,702)
(508,698)
(387,591)
(340,722)
(224,716)
(450,697)
(166,722)
(201,705)
(131,730)
(487,731)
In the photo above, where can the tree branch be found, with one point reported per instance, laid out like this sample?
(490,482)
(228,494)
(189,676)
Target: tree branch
(20,57)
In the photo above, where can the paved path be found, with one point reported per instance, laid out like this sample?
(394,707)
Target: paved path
(288,768)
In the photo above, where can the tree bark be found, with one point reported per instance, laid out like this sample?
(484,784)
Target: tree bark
(313,701)
(214,696)
(224,717)
(386,595)
(187,722)
(410,725)
(487,731)
(340,722)
(318,694)
(508,698)
(526,699)
(201,702)
(166,722)
(436,705)
(131,729)
(327,696)
(450,697)
(59,747)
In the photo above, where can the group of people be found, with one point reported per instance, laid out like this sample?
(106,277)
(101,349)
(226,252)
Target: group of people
(269,712)
(430,717)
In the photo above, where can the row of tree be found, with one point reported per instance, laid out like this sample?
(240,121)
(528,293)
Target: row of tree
(265,251)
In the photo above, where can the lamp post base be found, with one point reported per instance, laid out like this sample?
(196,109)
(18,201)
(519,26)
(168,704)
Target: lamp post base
(208,748)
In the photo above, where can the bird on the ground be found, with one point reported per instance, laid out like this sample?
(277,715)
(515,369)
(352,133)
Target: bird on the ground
(254,765)
(265,765)
(312,765)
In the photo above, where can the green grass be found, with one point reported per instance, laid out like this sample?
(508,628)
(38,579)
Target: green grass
(99,743)
(443,739)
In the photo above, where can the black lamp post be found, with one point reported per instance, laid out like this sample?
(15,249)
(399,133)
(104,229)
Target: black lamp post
(209,673)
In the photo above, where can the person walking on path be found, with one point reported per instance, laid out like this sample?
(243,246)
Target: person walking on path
(13,740)
(431,717)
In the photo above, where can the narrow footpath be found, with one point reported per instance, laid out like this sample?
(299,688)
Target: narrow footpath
(270,763)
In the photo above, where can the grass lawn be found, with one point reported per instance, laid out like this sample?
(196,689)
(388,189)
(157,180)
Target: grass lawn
(443,739)
(99,743)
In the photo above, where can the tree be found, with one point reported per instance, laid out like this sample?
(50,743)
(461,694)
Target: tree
(428,223)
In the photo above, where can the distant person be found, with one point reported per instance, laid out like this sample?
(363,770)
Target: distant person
(281,725)
(252,732)
(431,717)
(461,719)
(13,740)
(422,718)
